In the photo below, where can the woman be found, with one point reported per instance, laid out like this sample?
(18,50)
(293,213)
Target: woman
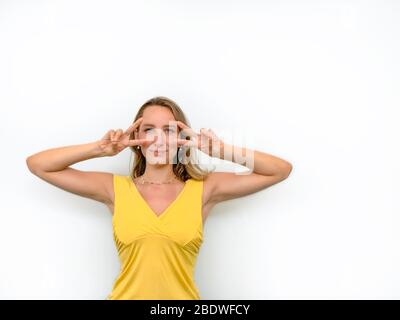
(159,209)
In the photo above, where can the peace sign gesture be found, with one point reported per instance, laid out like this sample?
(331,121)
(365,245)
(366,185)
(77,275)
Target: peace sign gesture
(114,141)
(206,141)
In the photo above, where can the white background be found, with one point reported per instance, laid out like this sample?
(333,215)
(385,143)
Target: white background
(313,82)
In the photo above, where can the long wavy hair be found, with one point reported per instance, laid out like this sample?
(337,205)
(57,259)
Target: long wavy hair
(183,171)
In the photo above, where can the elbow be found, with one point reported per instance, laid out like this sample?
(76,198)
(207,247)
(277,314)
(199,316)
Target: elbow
(30,165)
(287,169)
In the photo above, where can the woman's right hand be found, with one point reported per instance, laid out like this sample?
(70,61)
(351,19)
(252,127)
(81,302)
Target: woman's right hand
(114,141)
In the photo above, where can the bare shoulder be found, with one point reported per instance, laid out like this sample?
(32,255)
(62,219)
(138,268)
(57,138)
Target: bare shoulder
(209,186)
(207,199)
(95,185)
(108,181)
(221,186)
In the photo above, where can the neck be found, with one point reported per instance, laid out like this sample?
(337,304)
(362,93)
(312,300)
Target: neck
(158,172)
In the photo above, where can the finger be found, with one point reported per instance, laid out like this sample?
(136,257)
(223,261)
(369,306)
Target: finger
(203,131)
(205,138)
(187,143)
(208,134)
(213,135)
(204,134)
(181,124)
(186,129)
(133,126)
(112,135)
(140,142)
(117,136)
(107,135)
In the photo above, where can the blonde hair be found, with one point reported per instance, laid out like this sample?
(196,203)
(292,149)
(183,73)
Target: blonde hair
(181,170)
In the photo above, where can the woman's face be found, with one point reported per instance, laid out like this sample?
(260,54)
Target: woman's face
(158,122)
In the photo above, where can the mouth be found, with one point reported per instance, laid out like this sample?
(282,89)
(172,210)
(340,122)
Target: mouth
(158,151)
(155,149)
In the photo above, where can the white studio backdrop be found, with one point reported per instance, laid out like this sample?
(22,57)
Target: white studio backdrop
(313,82)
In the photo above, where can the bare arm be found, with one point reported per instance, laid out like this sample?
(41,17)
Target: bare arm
(265,169)
(53,165)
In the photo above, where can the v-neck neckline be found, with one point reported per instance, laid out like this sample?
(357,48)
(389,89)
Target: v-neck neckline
(149,209)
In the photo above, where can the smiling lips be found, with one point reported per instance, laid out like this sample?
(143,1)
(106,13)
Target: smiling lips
(158,150)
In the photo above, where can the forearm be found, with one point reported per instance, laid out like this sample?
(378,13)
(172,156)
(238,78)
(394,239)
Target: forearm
(57,159)
(259,162)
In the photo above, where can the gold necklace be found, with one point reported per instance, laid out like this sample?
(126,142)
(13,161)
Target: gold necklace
(152,182)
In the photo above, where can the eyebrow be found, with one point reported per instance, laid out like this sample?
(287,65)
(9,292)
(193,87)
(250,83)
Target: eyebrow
(152,125)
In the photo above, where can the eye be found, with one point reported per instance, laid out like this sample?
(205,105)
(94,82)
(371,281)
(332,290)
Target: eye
(169,129)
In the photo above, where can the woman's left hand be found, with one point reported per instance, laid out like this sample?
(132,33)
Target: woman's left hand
(206,141)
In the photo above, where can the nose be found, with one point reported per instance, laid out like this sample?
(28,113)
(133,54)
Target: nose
(159,142)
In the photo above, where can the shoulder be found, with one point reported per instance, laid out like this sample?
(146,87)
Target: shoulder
(206,185)
(116,182)
(230,185)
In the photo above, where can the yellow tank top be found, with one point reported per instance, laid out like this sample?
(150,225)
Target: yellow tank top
(157,253)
